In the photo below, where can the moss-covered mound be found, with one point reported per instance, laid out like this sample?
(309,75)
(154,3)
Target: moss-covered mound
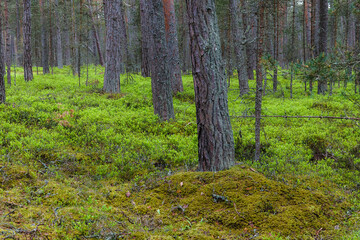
(238,203)
(235,204)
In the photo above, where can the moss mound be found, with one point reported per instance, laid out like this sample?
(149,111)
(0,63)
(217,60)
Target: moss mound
(237,203)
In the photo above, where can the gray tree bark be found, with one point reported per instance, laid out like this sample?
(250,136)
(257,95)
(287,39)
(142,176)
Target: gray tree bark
(44,40)
(2,80)
(161,75)
(215,136)
(322,85)
(145,39)
(7,40)
(172,45)
(59,51)
(239,46)
(259,79)
(112,10)
(28,74)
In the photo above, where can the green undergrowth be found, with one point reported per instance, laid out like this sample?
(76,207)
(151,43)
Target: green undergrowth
(70,153)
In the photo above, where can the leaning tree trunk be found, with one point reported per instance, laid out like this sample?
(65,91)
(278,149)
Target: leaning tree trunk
(239,46)
(215,136)
(145,38)
(2,81)
(96,35)
(172,45)
(28,74)
(161,75)
(259,79)
(112,10)
(322,85)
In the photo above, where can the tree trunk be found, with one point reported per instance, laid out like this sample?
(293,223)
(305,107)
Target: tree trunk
(239,46)
(322,85)
(112,10)
(313,31)
(8,45)
(145,39)
(259,79)
(28,74)
(276,43)
(44,40)
(249,46)
(160,69)
(96,35)
(2,80)
(215,136)
(59,51)
(172,45)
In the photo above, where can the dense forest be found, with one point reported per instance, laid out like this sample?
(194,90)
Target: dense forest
(179,119)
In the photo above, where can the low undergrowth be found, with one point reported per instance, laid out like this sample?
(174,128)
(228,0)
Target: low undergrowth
(70,154)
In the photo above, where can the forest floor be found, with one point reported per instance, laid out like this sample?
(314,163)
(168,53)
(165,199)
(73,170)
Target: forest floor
(76,163)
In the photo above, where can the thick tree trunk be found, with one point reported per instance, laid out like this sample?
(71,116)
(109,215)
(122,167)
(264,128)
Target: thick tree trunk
(2,80)
(112,10)
(322,85)
(215,136)
(44,40)
(248,26)
(59,51)
(145,39)
(239,46)
(28,74)
(185,39)
(259,79)
(172,45)
(161,75)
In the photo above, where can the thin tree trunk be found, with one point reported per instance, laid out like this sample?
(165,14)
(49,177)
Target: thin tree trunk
(145,39)
(259,79)
(59,50)
(248,44)
(160,71)
(215,137)
(44,40)
(112,10)
(239,46)
(2,80)
(8,45)
(96,35)
(28,74)
(276,43)
(322,85)
(172,45)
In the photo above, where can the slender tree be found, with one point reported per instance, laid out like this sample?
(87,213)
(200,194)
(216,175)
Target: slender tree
(2,81)
(160,70)
(59,54)
(322,85)
(112,10)
(145,38)
(7,40)
(215,137)
(44,39)
(172,45)
(239,46)
(28,74)
(259,78)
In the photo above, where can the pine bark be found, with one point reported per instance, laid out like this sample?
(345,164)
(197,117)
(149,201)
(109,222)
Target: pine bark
(96,34)
(2,80)
(172,45)
(215,136)
(112,10)
(322,85)
(28,74)
(248,26)
(161,75)
(145,38)
(44,40)
(7,40)
(59,50)
(239,46)
(259,78)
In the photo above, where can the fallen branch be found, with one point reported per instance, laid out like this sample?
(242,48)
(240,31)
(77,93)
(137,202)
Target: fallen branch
(321,117)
